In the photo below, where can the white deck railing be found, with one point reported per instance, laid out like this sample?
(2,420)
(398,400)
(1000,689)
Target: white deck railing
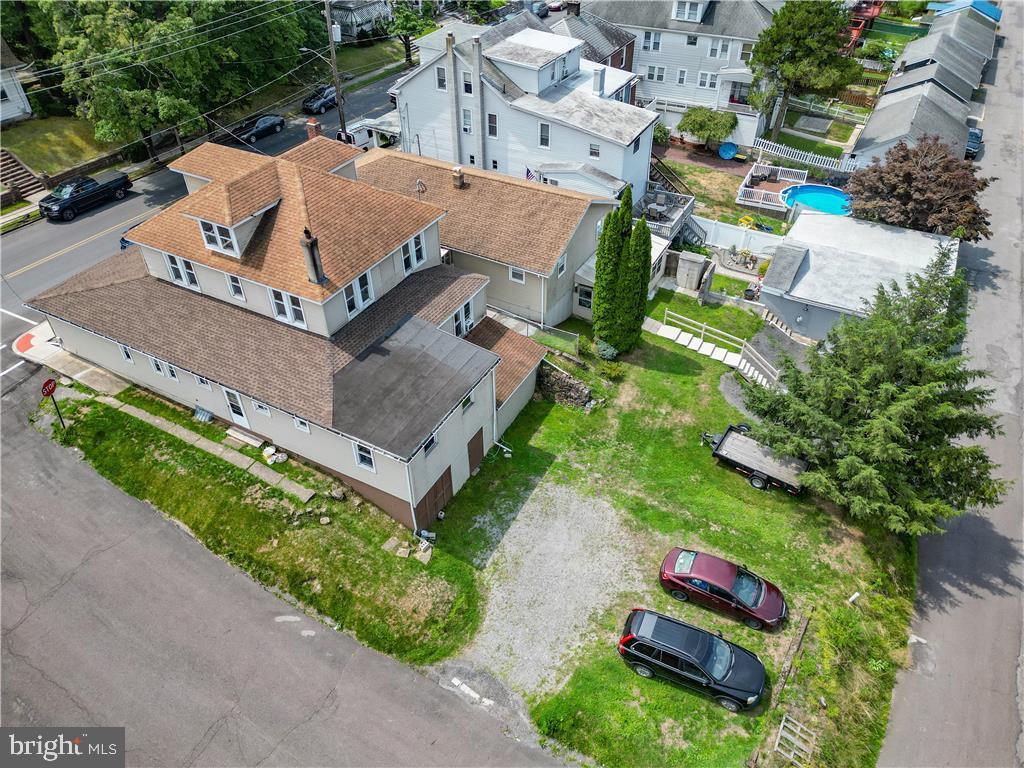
(844,164)
(760,197)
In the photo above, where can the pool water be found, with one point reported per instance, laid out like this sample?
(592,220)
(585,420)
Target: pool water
(819,197)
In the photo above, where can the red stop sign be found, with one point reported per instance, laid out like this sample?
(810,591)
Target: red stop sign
(49,387)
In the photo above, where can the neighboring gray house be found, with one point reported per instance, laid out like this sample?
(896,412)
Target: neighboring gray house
(975,30)
(938,74)
(943,49)
(908,115)
(603,41)
(829,266)
(355,16)
(13,101)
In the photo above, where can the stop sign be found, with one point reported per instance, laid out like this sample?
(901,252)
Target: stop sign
(49,387)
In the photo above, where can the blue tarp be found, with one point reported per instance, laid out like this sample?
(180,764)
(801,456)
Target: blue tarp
(728,151)
(941,9)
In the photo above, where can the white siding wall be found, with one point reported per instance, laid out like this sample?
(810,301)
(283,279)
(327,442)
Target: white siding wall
(16,104)
(516,402)
(675,55)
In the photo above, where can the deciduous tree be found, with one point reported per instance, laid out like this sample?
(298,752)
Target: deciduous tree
(707,124)
(799,53)
(925,187)
(406,24)
(886,408)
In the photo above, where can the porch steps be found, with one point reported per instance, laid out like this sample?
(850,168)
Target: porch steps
(736,360)
(246,437)
(14,175)
(668,332)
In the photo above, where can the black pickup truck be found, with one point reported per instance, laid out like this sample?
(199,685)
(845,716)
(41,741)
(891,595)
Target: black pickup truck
(73,196)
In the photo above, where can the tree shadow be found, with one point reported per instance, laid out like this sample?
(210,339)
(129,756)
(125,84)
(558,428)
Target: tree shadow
(971,559)
(978,263)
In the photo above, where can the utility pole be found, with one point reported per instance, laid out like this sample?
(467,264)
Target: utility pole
(339,95)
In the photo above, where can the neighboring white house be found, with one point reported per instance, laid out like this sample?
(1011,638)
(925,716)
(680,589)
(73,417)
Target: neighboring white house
(517,99)
(13,101)
(693,54)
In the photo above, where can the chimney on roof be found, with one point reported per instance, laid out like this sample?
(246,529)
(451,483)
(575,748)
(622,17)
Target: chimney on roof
(599,81)
(458,177)
(313,128)
(311,250)
(572,8)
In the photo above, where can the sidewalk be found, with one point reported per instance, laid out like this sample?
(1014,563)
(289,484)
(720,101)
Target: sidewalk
(38,346)
(25,210)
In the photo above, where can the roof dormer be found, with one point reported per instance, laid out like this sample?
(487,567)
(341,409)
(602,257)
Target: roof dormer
(688,10)
(220,238)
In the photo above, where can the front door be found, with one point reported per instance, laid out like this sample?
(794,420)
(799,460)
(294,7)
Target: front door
(476,450)
(236,409)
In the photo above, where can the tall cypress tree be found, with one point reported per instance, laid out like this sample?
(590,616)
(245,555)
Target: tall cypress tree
(640,246)
(614,237)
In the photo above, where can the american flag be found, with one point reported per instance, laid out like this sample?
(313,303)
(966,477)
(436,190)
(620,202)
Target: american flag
(530,175)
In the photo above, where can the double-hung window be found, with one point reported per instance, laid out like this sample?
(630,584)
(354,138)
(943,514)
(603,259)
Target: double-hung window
(516,275)
(636,145)
(412,253)
(656,267)
(364,456)
(163,369)
(442,78)
(652,41)
(358,294)
(467,83)
(467,401)
(158,367)
(126,354)
(595,150)
(467,121)
(429,445)
(182,272)
(218,237)
(718,49)
(656,73)
(494,165)
(691,39)
(287,308)
(560,266)
(463,319)
(235,287)
(544,135)
(708,80)
(687,11)
(681,77)
(492,125)
(586,297)
(746,51)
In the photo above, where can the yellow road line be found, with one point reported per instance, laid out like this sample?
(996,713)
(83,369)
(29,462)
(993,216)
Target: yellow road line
(80,243)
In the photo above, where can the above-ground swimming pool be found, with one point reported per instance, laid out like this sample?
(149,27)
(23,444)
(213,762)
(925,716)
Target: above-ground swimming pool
(819,197)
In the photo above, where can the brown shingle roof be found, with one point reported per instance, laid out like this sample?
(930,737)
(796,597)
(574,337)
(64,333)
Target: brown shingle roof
(507,220)
(275,363)
(357,224)
(322,153)
(519,355)
(218,163)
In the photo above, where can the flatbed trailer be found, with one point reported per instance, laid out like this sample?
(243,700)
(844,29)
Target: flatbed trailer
(760,464)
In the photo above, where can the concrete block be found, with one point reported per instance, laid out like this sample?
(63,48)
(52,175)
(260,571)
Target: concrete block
(719,354)
(240,460)
(694,343)
(262,471)
(290,486)
(732,359)
(706,348)
(685,338)
(668,332)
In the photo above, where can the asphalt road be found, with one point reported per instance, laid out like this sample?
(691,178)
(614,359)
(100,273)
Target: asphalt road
(958,705)
(41,255)
(113,615)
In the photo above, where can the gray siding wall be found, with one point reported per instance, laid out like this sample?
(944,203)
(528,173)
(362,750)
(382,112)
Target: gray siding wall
(805,319)
(516,402)
(519,299)
(581,247)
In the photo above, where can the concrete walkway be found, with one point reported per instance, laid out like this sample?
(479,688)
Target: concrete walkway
(38,346)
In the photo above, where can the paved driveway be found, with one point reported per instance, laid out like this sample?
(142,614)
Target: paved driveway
(957,705)
(112,615)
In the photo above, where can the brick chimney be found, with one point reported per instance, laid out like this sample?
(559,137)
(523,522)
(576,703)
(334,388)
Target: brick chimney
(314,264)
(572,8)
(313,128)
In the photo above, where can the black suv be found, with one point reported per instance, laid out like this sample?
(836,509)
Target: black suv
(654,645)
(320,100)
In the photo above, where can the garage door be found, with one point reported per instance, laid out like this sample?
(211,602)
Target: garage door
(476,450)
(433,501)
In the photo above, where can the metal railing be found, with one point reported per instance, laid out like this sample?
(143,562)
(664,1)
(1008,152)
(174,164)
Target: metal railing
(842,164)
(783,174)
(705,332)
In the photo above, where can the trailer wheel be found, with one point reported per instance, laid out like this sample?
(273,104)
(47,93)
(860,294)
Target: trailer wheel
(743,428)
(758,482)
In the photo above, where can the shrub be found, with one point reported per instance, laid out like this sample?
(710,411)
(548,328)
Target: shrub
(605,350)
(762,268)
(611,370)
(662,135)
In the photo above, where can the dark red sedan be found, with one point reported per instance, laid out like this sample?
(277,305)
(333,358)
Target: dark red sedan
(723,586)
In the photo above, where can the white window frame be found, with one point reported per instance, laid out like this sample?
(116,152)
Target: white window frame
(472,159)
(301,424)
(467,82)
(681,77)
(655,74)
(656,266)
(718,48)
(357,295)
(746,52)
(494,165)
(636,144)
(172,372)
(372,466)
(182,271)
(467,121)
(235,282)
(512,275)
(690,10)
(430,444)
(261,408)
(289,302)
(560,266)
(595,150)
(589,301)
(219,238)
(441,78)
(463,320)
(541,135)
(157,365)
(492,122)
(467,402)
(692,39)
(708,80)
(202,381)
(126,354)
(652,41)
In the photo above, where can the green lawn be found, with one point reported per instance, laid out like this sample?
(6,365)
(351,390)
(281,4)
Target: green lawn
(641,450)
(724,317)
(361,61)
(894,41)
(418,613)
(158,406)
(809,145)
(837,131)
(716,194)
(730,286)
(53,144)
(14,207)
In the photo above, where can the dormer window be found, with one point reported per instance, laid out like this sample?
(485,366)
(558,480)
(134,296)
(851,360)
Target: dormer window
(219,238)
(358,294)
(687,11)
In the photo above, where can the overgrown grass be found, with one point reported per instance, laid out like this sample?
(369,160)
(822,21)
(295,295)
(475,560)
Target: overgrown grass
(716,191)
(734,320)
(158,406)
(837,131)
(809,145)
(52,144)
(363,60)
(418,613)
(730,286)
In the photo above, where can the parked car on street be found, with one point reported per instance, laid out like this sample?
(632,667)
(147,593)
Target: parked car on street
(258,127)
(555,5)
(724,587)
(540,9)
(975,138)
(70,198)
(320,100)
(655,645)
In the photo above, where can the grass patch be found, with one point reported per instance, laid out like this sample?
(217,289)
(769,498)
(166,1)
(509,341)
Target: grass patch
(837,131)
(158,406)
(716,191)
(730,286)
(361,61)
(555,340)
(418,613)
(14,207)
(894,41)
(21,221)
(734,320)
(809,145)
(52,144)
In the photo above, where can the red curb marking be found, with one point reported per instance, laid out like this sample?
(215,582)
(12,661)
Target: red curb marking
(24,342)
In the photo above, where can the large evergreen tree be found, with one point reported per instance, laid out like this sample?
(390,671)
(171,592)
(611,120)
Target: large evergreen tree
(631,294)
(614,235)
(799,53)
(884,409)
(925,187)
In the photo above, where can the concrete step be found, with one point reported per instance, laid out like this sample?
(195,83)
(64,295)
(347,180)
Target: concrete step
(732,359)
(246,437)
(706,348)
(668,332)
(685,338)
(719,354)
(694,343)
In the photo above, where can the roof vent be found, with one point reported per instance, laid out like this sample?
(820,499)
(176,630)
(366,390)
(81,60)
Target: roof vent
(458,177)
(311,250)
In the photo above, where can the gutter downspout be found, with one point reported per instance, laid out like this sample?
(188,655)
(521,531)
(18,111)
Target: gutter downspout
(543,300)
(453,99)
(478,92)
(494,408)
(412,504)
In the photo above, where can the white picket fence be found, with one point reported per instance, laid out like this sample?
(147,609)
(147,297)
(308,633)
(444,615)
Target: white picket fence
(726,236)
(844,164)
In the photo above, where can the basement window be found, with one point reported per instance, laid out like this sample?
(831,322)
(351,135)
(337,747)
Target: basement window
(201,381)
(261,408)
(516,275)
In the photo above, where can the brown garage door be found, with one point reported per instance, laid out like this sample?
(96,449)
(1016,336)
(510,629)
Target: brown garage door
(433,501)
(476,450)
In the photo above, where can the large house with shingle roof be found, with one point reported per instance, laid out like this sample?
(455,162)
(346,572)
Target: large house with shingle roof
(13,101)
(518,99)
(313,310)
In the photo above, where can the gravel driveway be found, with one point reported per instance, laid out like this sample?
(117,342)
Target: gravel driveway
(564,560)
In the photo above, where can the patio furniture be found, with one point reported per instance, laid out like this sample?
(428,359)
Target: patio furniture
(655,211)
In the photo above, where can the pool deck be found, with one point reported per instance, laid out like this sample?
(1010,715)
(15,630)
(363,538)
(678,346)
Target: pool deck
(762,186)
